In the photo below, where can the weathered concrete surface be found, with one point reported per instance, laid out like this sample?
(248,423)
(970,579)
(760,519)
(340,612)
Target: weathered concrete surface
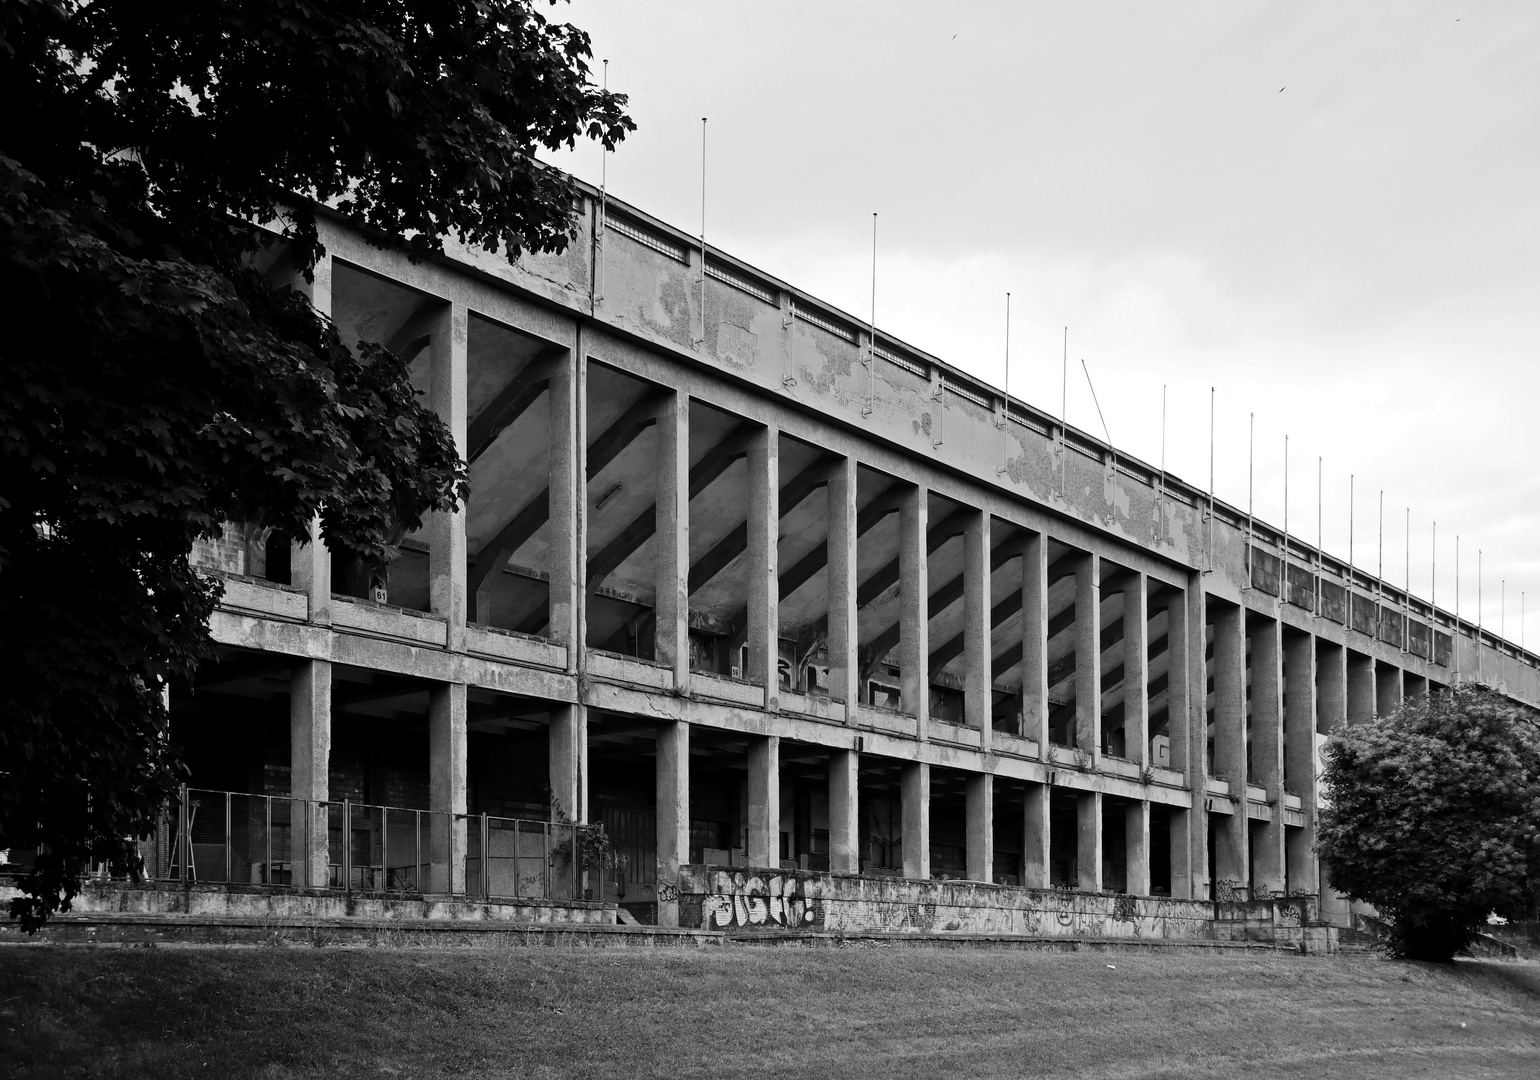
(770,901)
(221,901)
(395,933)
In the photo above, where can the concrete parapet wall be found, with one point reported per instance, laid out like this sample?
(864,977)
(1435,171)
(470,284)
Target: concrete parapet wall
(754,902)
(280,904)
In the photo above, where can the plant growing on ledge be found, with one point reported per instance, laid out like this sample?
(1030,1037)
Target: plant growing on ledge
(1433,817)
(156,382)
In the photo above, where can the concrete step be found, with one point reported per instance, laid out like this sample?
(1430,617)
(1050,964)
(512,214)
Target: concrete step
(960,940)
(173,930)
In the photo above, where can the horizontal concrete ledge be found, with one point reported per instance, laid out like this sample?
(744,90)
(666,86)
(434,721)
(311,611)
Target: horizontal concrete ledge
(217,929)
(1004,941)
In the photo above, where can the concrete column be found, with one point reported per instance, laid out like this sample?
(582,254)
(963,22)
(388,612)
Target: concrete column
(764,591)
(978,656)
(914,608)
(1187,726)
(310,747)
(915,788)
(979,811)
(1230,846)
(1299,757)
(1088,849)
(569,761)
(673,814)
(844,818)
(1035,836)
(671,582)
(1034,643)
(765,801)
(446,786)
(1362,696)
(1088,659)
(568,499)
(1331,687)
(1136,677)
(447,366)
(1266,768)
(1388,689)
(310,569)
(1136,844)
(843,643)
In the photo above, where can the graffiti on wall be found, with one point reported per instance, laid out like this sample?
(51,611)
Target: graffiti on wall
(754,901)
(1229,891)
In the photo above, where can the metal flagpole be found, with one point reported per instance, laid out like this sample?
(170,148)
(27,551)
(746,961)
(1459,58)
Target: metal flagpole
(1284,589)
(1454,638)
(1251,483)
(702,339)
(1320,552)
(1211,479)
(871,348)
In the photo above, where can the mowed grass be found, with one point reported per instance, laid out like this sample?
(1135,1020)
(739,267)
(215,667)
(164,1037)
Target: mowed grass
(748,1012)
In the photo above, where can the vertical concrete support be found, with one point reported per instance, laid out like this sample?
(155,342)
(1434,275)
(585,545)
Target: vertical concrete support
(1136,676)
(1230,846)
(447,367)
(671,582)
(1088,659)
(978,674)
(915,791)
(764,591)
(673,813)
(844,804)
(765,801)
(1266,769)
(914,610)
(979,811)
(446,786)
(1362,695)
(1299,757)
(310,569)
(1186,725)
(568,495)
(1389,689)
(569,761)
(1331,687)
(1035,837)
(1034,645)
(1088,852)
(1136,845)
(843,643)
(310,564)
(310,750)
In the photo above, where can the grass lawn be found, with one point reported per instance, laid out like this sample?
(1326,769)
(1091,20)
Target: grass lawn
(299,1011)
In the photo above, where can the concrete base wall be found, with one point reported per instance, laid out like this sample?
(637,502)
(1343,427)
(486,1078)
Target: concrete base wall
(219,901)
(759,902)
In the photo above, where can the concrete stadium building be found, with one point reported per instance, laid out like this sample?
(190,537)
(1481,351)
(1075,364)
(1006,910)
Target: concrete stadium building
(829,635)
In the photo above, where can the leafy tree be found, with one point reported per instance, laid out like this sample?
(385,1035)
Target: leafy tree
(156,384)
(1434,816)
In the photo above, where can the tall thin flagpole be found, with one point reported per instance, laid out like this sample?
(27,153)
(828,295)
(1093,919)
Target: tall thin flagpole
(1352,479)
(1455,637)
(1406,592)
(1005,404)
(1320,520)
(1251,483)
(871,328)
(1064,412)
(1284,587)
(702,339)
(1211,478)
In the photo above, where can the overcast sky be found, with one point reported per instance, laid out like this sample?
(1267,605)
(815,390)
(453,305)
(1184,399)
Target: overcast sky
(1330,212)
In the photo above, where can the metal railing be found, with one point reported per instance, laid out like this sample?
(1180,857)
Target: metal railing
(233,838)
